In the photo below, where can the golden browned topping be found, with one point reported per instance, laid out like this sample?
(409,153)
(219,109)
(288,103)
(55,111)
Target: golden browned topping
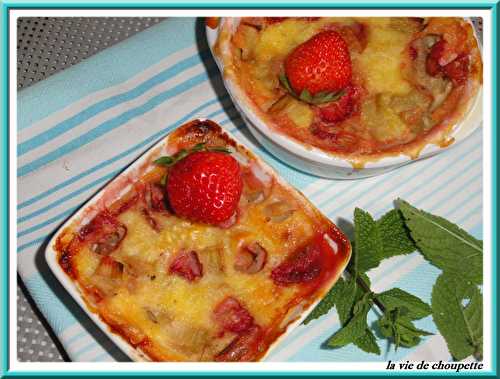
(412,80)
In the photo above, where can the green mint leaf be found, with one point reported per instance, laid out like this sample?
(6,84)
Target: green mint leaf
(394,234)
(409,334)
(396,337)
(444,244)
(368,283)
(368,343)
(398,328)
(478,349)
(377,240)
(397,298)
(348,295)
(344,294)
(354,329)
(359,304)
(164,161)
(386,324)
(457,309)
(368,247)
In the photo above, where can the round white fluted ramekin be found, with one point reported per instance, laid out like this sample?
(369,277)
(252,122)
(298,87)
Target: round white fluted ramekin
(310,159)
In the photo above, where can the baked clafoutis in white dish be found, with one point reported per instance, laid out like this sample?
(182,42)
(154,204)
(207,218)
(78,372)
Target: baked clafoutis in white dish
(199,251)
(358,89)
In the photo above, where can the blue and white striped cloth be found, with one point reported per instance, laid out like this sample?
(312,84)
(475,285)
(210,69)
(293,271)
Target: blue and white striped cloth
(79,128)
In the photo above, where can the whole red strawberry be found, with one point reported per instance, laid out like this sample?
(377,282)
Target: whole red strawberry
(205,187)
(321,64)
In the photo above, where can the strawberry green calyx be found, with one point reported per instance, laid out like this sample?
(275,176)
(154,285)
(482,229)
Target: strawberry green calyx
(305,96)
(170,160)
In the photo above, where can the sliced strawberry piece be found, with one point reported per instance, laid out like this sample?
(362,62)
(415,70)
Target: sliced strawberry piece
(302,266)
(340,109)
(187,265)
(154,197)
(251,258)
(104,233)
(109,242)
(103,223)
(340,139)
(457,70)
(232,316)
(432,65)
(436,64)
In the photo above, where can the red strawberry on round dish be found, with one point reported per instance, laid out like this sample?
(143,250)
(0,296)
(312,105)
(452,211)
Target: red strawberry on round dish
(205,186)
(322,64)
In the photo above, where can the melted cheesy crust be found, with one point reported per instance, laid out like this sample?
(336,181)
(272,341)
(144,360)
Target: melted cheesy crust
(171,318)
(399,108)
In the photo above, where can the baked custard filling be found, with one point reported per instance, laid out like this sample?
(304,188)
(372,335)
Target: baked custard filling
(182,290)
(410,79)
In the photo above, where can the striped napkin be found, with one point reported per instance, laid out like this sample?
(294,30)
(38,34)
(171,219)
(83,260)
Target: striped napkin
(81,127)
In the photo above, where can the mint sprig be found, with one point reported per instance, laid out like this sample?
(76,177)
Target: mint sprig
(305,96)
(444,244)
(456,299)
(355,327)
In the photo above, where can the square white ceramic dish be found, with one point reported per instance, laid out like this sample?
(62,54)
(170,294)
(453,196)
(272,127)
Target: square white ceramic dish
(132,171)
